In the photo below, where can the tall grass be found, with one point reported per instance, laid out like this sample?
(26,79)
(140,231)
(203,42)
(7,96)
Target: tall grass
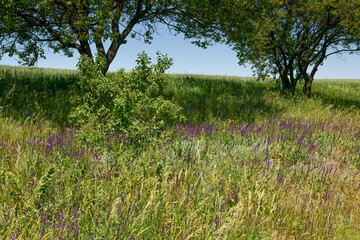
(47,93)
(249,163)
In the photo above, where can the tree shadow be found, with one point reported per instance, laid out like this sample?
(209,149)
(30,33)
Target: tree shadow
(37,93)
(339,96)
(204,98)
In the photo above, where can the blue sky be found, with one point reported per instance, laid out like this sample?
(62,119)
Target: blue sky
(215,60)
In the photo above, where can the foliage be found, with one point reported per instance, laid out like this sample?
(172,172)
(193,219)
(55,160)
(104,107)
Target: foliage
(27,28)
(350,15)
(287,39)
(124,102)
(290,171)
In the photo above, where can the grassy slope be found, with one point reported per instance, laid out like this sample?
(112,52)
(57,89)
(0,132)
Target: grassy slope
(249,163)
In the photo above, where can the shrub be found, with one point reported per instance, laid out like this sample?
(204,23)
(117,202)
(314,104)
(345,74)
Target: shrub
(123,102)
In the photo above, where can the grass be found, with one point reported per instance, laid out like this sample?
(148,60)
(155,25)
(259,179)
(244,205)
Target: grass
(249,163)
(48,93)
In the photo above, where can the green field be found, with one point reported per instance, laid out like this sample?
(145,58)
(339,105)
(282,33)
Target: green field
(248,163)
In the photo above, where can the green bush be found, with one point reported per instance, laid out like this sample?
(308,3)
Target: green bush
(124,102)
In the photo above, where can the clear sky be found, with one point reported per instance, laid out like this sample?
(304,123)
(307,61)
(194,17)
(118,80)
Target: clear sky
(215,60)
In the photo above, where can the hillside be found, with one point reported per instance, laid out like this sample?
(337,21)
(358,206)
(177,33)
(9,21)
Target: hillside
(247,163)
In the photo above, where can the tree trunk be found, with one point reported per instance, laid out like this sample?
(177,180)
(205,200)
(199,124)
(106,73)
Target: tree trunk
(307,86)
(287,85)
(85,49)
(293,80)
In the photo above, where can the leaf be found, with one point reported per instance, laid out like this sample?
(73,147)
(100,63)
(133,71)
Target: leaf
(14,184)
(44,185)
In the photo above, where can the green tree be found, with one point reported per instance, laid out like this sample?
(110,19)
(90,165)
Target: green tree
(27,28)
(286,38)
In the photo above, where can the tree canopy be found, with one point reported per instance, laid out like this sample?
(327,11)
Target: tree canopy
(289,39)
(286,38)
(29,27)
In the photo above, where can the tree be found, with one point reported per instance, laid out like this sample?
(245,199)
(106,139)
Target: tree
(29,27)
(289,39)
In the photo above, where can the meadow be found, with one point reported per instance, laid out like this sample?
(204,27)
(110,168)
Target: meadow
(248,163)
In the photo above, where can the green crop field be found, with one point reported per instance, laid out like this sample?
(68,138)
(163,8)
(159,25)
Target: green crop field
(247,163)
